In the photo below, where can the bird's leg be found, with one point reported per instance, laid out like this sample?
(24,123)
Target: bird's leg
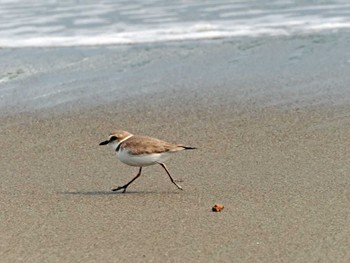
(126,185)
(172,180)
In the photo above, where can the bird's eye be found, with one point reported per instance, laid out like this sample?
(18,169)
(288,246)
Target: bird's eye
(113,138)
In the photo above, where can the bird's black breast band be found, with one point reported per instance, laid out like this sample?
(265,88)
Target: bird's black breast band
(118,147)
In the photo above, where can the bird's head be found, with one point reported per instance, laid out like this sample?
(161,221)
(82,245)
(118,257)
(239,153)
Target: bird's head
(116,137)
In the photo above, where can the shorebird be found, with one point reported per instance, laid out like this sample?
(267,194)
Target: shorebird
(140,151)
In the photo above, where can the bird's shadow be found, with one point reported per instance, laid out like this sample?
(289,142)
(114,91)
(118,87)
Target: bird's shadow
(97,193)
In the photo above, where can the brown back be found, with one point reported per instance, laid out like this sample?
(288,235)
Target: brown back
(146,145)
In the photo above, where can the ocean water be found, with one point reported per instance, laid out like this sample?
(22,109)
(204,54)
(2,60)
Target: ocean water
(266,52)
(53,23)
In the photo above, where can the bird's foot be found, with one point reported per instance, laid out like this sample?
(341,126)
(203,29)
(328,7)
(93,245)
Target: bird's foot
(178,186)
(119,188)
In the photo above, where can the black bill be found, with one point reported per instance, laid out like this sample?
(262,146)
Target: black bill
(104,143)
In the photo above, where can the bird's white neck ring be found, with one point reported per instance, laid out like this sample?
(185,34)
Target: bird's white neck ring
(117,145)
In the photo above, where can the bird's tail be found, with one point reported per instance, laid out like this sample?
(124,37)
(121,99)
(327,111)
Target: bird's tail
(187,147)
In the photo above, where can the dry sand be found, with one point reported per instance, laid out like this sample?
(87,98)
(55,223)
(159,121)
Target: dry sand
(281,174)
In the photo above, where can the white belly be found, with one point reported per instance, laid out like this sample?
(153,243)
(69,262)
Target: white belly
(142,160)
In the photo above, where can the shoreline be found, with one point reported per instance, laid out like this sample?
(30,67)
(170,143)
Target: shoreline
(262,71)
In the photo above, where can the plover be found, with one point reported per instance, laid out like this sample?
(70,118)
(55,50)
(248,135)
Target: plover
(140,151)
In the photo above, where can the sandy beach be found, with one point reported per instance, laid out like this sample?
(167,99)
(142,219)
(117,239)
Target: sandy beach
(271,123)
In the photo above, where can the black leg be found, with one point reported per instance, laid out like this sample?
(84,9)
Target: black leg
(172,180)
(126,186)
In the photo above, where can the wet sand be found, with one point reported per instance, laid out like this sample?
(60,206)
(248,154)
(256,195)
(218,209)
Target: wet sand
(282,174)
